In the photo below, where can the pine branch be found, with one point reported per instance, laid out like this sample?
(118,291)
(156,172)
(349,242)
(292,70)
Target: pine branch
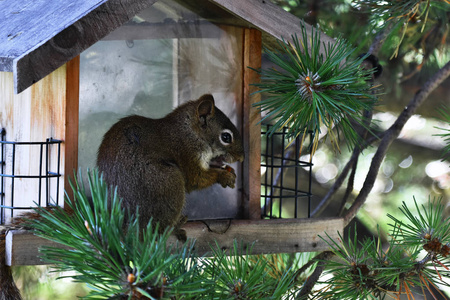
(314,277)
(350,187)
(111,253)
(352,163)
(391,134)
(380,39)
(337,184)
(309,90)
(119,260)
(364,269)
(237,275)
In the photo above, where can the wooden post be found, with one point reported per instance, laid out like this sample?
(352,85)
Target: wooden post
(47,109)
(72,120)
(251,126)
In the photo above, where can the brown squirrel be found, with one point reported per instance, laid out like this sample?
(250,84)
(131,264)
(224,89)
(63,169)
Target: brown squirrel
(155,162)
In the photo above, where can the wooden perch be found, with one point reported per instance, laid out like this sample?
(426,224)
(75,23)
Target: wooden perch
(268,236)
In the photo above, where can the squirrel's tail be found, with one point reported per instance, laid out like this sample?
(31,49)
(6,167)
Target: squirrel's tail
(8,289)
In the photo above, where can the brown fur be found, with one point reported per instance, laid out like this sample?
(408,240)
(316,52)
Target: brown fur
(155,162)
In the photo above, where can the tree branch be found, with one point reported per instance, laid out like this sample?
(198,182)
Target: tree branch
(307,287)
(352,163)
(380,38)
(337,184)
(390,135)
(350,187)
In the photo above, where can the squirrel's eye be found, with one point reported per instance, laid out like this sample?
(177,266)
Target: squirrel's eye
(226,137)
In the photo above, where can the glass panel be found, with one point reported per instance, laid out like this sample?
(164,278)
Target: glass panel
(163,57)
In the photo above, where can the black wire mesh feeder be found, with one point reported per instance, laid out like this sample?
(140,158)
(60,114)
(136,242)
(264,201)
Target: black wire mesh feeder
(42,186)
(285,176)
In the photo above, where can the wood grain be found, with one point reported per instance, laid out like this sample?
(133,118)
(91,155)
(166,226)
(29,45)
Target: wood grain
(71,122)
(48,109)
(269,18)
(40,36)
(252,128)
(31,116)
(22,248)
(264,236)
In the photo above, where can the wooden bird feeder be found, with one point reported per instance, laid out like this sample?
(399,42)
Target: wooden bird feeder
(69,70)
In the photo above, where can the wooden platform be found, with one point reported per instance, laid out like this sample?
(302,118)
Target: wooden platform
(268,236)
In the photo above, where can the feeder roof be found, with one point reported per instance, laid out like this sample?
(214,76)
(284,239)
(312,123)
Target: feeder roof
(39,36)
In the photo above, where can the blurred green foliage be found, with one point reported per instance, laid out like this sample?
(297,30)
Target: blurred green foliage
(40,283)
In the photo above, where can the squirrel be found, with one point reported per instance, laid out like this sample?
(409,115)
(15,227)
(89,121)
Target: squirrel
(155,162)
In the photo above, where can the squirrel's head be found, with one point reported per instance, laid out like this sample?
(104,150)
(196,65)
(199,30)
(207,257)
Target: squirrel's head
(221,134)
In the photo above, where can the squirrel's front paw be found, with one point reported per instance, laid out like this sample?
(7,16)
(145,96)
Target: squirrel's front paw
(227,177)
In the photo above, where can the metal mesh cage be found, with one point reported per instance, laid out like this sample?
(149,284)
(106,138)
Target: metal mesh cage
(286,178)
(47,181)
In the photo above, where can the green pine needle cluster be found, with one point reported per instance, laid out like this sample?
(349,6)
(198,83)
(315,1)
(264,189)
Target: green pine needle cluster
(445,113)
(105,247)
(412,21)
(239,276)
(366,270)
(406,11)
(424,227)
(109,252)
(308,89)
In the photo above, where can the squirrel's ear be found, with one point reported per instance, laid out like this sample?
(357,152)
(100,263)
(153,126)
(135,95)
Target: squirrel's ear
(205,108)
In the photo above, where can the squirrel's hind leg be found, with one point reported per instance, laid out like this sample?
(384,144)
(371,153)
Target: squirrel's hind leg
(164,197)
